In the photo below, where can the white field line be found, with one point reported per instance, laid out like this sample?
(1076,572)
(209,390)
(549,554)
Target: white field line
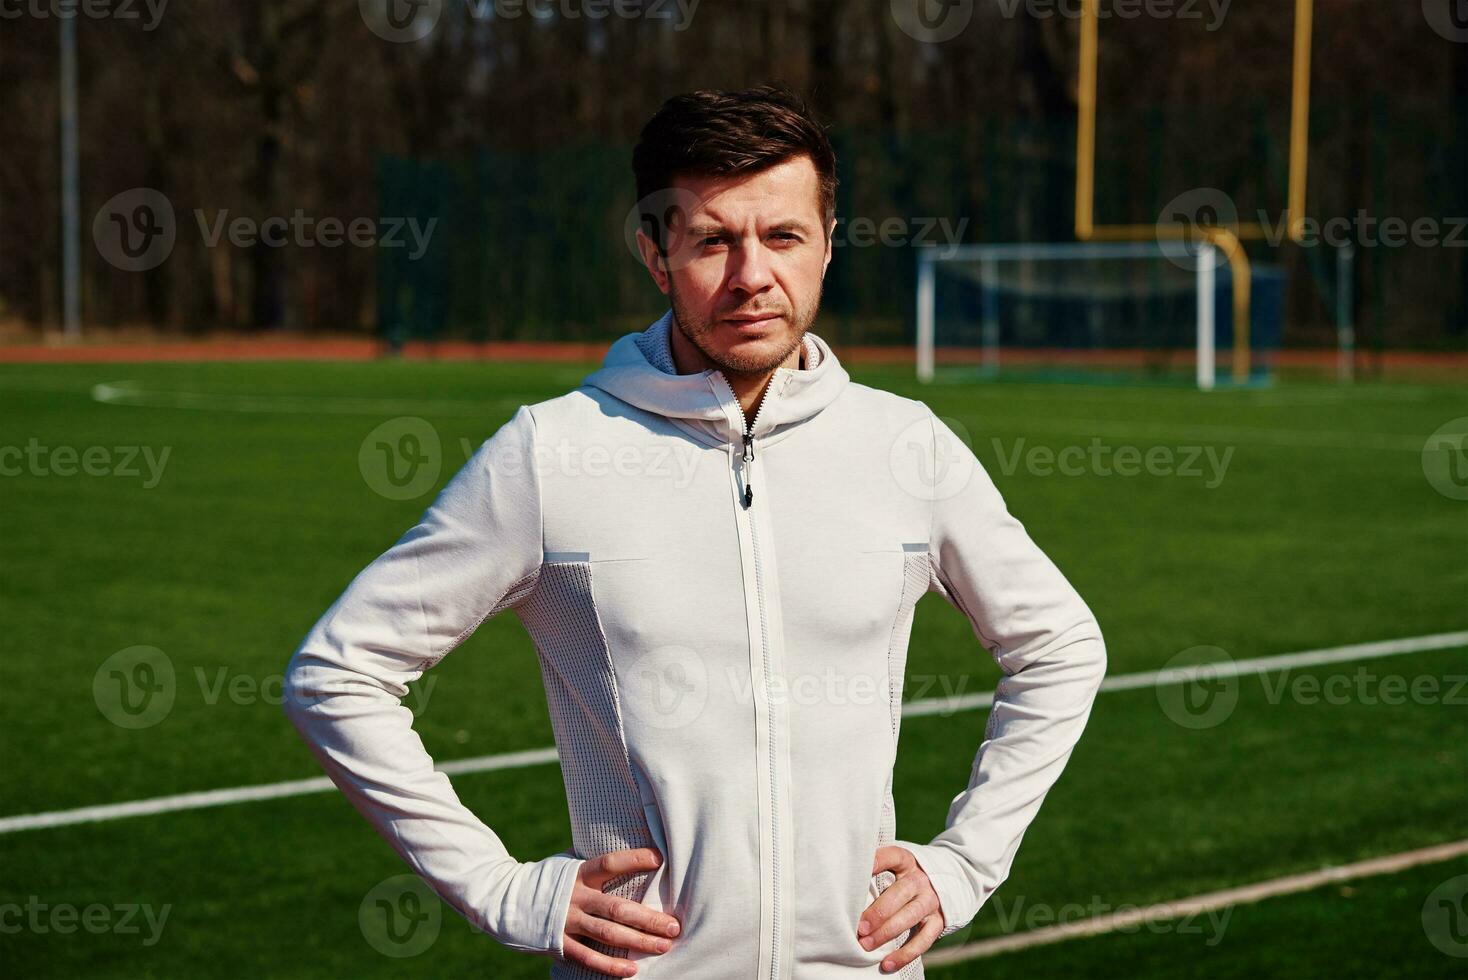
(1217,670)
(1183,908)
(1241,435)
(246,794)
(916,708)
(1247,397)
(128,393)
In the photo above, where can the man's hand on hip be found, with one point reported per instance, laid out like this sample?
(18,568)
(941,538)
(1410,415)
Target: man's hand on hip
(615,921)
(908,903)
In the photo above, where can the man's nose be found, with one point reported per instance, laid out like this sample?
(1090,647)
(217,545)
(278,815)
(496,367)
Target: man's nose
(750,270)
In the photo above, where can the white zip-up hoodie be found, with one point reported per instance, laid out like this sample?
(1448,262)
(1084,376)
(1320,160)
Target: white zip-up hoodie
(721,613)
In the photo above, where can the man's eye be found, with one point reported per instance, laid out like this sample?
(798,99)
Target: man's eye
(786,236)
(710,241)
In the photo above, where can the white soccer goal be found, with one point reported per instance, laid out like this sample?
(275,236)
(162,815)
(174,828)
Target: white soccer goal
(1077,298)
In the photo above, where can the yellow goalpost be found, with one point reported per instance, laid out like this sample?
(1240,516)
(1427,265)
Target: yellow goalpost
(1227,239)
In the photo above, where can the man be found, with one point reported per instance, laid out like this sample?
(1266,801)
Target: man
(716,543)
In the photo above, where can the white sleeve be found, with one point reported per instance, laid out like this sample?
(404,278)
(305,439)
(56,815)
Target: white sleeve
(476,550)
(1049,646)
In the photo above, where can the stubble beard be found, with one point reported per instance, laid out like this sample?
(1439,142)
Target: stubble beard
(700,331)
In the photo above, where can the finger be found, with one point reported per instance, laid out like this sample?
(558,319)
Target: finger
(618,935)
(599,870)
(889,857)
(899,922)
(898,894)
(599,962)
(917,944)
(630,913)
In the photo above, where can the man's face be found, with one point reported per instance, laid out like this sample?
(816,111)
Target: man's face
(745,260)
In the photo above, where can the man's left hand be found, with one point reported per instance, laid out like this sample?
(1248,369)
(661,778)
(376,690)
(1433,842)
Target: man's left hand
(908,903)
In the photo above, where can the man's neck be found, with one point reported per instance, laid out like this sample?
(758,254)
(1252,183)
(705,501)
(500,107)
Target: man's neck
(749,388)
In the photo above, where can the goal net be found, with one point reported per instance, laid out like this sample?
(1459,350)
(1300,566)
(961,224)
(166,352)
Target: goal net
(1155,309)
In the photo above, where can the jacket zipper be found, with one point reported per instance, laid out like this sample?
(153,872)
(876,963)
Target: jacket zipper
(772,734)
(748,459)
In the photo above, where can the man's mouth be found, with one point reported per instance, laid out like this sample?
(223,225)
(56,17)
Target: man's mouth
(751,319)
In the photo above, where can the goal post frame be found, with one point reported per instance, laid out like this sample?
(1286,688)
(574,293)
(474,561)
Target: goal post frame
(1204,274)
(1229,240)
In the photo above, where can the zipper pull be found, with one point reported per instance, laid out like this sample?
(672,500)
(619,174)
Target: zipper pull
(748,458)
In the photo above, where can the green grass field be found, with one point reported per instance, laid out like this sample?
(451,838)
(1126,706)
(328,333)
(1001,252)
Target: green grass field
(1311,525)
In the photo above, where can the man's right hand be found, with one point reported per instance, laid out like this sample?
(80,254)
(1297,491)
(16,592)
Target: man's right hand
(618,922)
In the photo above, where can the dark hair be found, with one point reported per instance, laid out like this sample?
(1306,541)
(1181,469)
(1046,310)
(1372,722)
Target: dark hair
(710,133)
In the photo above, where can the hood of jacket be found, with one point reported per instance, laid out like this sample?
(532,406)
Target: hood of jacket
(638,369)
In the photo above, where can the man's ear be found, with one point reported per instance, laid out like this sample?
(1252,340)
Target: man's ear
(653,259)
(830,242)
